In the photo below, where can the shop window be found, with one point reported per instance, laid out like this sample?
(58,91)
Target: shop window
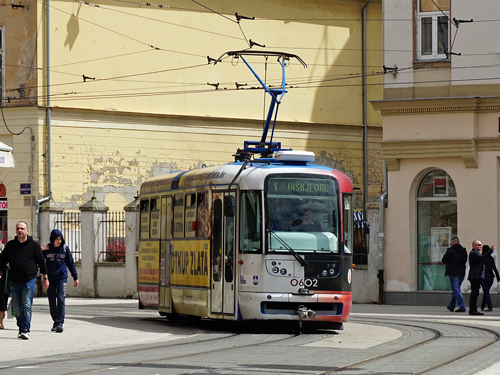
(436,226)
(433,29)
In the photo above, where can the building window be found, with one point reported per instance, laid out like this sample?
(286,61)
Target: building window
(433,29)
(437,225)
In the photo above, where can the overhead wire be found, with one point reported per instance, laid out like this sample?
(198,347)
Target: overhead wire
(323,80)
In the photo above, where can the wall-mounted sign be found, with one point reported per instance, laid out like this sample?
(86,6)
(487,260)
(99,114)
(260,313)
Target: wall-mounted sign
(25,189)
(440,186)
(3,205)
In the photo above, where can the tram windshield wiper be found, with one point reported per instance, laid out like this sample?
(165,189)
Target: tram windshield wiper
(301,260)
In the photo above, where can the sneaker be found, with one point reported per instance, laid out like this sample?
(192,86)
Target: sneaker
(24,335)
(54,327)
(460,310)
(59,328)
(19,334)
(448,307)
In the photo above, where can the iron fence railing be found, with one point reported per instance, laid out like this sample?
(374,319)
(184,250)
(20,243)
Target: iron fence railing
(111,237)
(69,223)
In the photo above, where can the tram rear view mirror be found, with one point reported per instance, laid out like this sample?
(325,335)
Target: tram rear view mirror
(229,206)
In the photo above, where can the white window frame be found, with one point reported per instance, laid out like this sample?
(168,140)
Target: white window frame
(434,34)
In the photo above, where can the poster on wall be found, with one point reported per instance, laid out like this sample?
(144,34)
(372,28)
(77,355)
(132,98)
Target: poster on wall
(440,241)
(440,186)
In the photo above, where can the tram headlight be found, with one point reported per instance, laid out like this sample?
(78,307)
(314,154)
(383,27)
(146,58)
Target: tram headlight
(332,271)
(283,271)
(324,273)
(276,269)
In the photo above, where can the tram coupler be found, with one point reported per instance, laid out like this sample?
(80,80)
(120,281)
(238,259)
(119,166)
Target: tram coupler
(305,313)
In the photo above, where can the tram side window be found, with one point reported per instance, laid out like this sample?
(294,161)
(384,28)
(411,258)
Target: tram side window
(166,218)
(155,218)
(190,225)
(179,215)
(250,222)
(144,218)
(202,218)
(348,224)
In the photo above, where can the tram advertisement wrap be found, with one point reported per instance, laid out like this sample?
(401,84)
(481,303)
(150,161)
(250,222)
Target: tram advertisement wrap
(189,263)
(149,262)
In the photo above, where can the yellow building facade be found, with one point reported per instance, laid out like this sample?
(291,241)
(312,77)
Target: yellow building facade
(118,91)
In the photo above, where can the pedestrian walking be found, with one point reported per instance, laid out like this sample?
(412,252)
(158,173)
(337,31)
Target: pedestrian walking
(4,294)
(476,262)
(24,256)
(487,276)
(455,259)
(59,259)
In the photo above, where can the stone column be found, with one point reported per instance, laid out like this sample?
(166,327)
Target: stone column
(48,212)
(91,213)
(48,216)
(131,242)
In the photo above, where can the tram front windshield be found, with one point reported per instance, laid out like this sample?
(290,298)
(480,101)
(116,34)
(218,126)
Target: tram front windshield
(302,214)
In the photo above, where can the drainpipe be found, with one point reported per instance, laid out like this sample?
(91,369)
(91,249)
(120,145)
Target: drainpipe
(381,241)
(47,43)
(381,244)
(49,174)
(365,110)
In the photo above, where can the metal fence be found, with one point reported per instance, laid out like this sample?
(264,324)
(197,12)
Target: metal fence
(111,237)
(69,223)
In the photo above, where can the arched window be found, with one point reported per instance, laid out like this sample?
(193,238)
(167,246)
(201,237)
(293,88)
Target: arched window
(437,225)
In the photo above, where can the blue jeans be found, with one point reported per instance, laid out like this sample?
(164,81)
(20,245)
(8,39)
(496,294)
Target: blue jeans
(57,297)
(456,297)
(22,302)
(486,286)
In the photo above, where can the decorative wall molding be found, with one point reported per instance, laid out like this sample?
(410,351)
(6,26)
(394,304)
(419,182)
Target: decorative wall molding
(467,149)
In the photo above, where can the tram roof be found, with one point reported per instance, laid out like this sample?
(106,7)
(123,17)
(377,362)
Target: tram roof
(252,177)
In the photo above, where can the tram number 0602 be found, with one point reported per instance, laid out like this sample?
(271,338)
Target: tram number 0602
(309,283)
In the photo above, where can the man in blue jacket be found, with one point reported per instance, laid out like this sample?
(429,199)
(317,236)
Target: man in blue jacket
(59,259)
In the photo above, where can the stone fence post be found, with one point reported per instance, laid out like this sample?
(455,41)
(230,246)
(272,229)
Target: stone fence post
(91,212)
(48,212)
(131,241)
(48,216)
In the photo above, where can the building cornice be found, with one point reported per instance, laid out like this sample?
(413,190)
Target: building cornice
(467,149)
(437,105)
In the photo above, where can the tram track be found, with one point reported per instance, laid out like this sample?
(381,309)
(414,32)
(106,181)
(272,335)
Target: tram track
(216,351)
(225,342)
(374,364)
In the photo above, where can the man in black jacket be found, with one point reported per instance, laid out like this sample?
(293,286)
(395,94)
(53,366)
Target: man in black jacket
(455,259)
(24,256)
(476,262)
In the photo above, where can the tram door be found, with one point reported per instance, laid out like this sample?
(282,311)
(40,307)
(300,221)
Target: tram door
(229,262)
(165,237)
(222,258)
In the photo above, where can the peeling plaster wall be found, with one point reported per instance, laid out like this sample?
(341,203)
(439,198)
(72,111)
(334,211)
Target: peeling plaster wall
(20,28)
(101,153)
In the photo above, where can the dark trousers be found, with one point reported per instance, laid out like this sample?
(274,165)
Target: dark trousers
(486,285)
(57,301)
(475,284)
